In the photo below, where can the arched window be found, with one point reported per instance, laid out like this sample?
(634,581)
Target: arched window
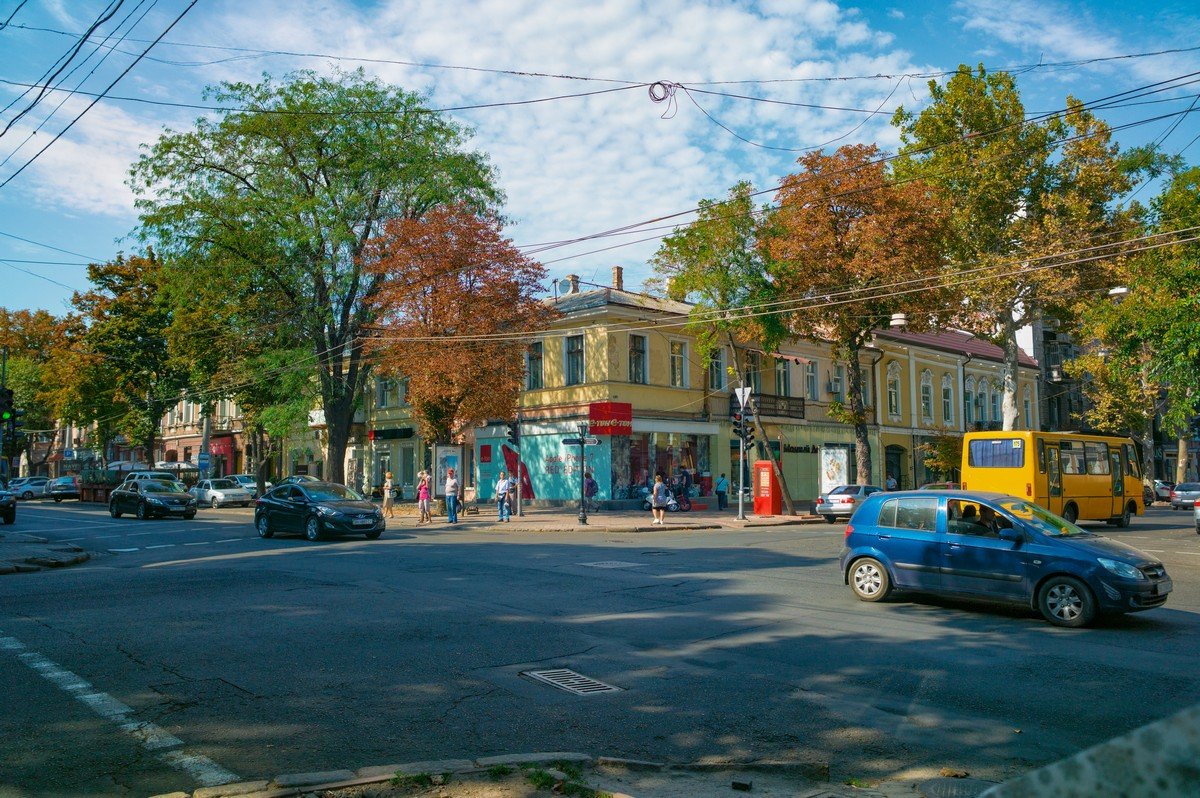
(997,392)
(927,396)
(1028,403)
(947,400)
(893,390)
(981,402)
(969,400)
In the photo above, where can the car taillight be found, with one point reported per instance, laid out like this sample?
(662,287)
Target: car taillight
(820,500)
(849,530)
(1174,494)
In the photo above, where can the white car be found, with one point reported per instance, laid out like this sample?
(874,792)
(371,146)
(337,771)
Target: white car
(221,493)
(250,483)
(1196,516)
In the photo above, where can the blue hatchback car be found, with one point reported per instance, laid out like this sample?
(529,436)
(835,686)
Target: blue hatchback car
(995,547)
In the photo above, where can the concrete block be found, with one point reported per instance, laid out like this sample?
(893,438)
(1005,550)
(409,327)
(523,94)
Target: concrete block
(238,788)
(170,795)
(532,759)
(628,764)
(310,779)
(414,768)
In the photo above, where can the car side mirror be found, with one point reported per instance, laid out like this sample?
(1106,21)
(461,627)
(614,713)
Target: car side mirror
(1010,533)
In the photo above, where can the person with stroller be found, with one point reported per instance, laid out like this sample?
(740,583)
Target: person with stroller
(659,497)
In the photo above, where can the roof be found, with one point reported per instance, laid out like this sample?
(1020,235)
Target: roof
(603,297)
(956,342)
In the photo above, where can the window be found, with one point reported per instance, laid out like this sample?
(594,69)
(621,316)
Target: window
(981,402)
(995,403)
(947,400)
(1097,457)
(909,514)
(997,453)
(575,367)
(893,389)
(533,367)
(754,372)
(1028,409)
(1072,458)
(927,396)
(637,359)
(678,364)
(810,380)
(382,387)
(865,385)
(716,371)
(969,401)
(783,377)
(1132,467)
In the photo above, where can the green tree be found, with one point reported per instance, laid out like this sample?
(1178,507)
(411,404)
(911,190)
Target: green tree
(1014,202)
(31,339)
(716,263)
(290,188)
(842,223)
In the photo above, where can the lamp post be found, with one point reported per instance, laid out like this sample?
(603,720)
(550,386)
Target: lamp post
(583,431)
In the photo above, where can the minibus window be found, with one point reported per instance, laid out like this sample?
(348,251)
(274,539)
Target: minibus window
(997,453)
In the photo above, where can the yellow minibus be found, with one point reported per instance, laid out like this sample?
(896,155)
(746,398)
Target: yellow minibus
(1077,476)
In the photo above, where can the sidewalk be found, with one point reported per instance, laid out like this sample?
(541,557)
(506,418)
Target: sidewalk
(21,553)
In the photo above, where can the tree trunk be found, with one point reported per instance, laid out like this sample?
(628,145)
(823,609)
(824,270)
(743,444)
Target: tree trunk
(764,451)
(206,412)
(1011,363)
(862,443)
(1181,464)
(339,416)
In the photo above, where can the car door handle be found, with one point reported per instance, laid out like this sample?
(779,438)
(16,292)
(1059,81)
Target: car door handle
(884,537)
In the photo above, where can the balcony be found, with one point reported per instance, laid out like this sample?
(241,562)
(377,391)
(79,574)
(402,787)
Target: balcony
(770,406)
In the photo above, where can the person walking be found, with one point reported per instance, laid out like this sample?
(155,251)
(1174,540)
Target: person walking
(658,500)
(721,488)
(453,491)
(891,482)
(503,511)
(388,511)
(590,489)
(423,498)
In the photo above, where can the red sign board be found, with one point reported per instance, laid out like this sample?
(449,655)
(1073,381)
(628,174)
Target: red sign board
(610,418)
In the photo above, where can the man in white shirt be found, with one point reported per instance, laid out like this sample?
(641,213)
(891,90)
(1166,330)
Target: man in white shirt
(453,491)
(503,513)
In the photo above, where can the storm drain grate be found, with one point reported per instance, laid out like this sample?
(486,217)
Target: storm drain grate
(571,681)
(610,564)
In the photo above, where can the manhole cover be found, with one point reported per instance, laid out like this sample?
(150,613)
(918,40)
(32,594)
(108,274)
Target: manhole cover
(572,682)
(610,564)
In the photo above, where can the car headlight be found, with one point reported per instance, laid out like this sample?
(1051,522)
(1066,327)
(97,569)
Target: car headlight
(1121,569)
(153,500)
(326,512)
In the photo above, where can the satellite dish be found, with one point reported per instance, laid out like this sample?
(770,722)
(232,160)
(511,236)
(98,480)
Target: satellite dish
(564,286)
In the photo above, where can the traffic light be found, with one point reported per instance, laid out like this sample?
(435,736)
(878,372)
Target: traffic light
(514,434)
(6,405)
(748,430)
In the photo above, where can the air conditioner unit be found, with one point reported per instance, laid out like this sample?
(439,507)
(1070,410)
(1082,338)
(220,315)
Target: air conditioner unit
(835,385)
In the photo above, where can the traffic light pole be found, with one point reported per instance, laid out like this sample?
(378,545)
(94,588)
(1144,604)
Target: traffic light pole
(741,516)
(520,484)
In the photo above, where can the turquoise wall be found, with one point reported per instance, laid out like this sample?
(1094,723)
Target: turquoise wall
(554,469)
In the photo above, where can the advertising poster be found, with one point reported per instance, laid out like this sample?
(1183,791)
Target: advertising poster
(445,458)
(835,467)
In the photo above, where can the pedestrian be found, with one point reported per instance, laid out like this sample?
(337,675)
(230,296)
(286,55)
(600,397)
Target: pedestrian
(503,513)
(423,498)
(590,488)
(387,496)
(453,491)
(721,488)
(891,482)
(658,500)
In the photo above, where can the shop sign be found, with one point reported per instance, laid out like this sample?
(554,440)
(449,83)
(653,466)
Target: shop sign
(791,448)
(610,418)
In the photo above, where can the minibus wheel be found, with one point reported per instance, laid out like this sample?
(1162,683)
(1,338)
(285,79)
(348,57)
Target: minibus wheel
(1071,513)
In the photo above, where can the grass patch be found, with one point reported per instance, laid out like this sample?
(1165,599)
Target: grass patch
(572,769)
(402,779)
(500,771)
(854,781)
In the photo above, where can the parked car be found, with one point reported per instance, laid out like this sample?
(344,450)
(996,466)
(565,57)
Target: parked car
(30,487)
(250,483)
(162,476)
(1162,490)
(148,498)
(991,546)
(298,479)
(843,500)
(63,488)
(8,506)
(316,509)
(221,492)
(941,486)
(1184,495)
(1196,516)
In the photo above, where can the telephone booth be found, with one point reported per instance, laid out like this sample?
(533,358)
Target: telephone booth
(768,499)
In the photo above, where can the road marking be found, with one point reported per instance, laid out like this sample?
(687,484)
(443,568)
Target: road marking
(122,551)
(228,540)
(162,546)
(151,736)
(198,543)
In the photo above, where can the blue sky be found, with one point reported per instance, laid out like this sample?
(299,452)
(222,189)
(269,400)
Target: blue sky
(570,167)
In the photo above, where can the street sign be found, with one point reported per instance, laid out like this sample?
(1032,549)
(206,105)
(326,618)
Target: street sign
(202,459)
(590,441)
(743,394)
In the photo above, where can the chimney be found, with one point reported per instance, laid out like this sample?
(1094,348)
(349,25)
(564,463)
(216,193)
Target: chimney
(618,278)
(574,281)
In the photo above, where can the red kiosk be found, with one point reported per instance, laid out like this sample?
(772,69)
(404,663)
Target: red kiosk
(768,499)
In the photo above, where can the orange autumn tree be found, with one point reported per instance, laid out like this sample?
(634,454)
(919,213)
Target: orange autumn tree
(455,303)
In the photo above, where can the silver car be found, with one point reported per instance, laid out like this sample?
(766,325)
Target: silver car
(29,487)
(842,501)
(221,493)
(1184,495)
(1196,516)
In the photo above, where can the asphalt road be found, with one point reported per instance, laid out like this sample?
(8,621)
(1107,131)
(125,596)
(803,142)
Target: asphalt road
(194,651)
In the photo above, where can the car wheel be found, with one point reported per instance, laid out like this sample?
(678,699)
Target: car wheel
(1065,601)
(57,499)
(1123,521)
(312,528)
(141,512)
(829,519)
(263,525)
(1070,513)
(869,580)
(8,519)
(27,495)
(216,505)
(113,511)
(189,516)
(374,534)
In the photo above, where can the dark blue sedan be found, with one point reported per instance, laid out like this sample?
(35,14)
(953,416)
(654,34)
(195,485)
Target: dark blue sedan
(996,547)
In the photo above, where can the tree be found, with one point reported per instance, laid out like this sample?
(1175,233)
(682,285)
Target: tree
(31,339)
(292,188)
(455,299)
(1013,202)
(715,263)
(123,367)
(842,223)
(942,453)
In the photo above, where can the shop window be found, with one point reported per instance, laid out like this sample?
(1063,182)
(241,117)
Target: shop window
(637,359)
(575,365)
